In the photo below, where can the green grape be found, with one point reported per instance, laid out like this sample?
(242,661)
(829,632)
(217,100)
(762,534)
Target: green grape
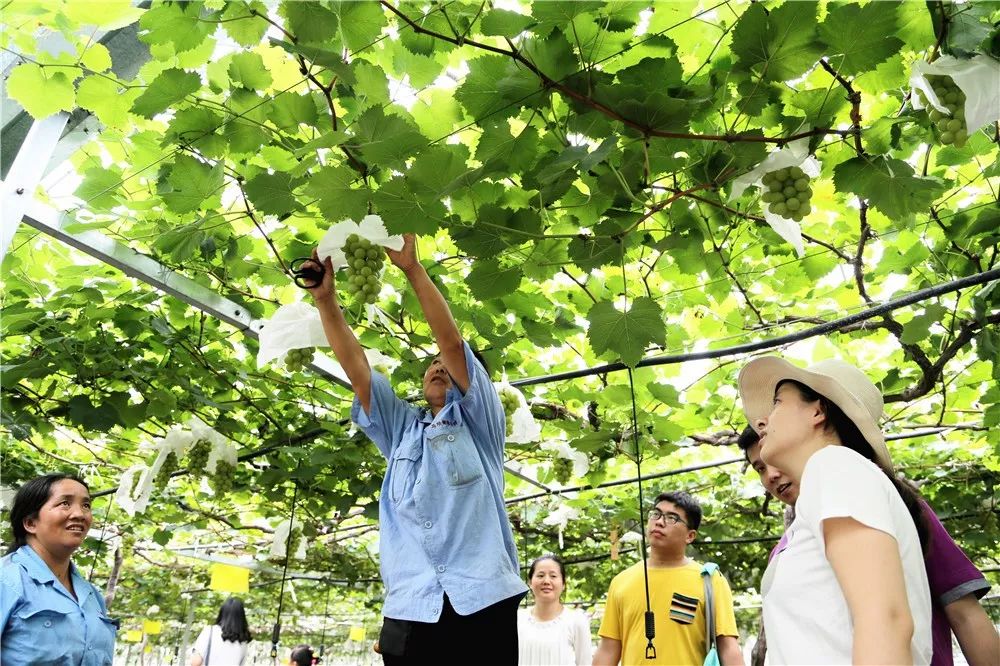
(296,359)
(788,193)
(950,126)
(562,469)
(223,478)
(510,402)
(293,542)
(364,264)
(197,456)
(170,465)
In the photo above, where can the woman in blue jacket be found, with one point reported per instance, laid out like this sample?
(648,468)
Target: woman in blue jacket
(48,613)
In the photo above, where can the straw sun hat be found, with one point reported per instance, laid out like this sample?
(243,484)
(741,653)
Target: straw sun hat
(841,383)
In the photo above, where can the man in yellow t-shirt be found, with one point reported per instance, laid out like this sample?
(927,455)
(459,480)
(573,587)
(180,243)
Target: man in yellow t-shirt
(676,596)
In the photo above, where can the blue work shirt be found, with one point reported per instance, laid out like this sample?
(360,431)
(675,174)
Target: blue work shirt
(43,623)
(443,526)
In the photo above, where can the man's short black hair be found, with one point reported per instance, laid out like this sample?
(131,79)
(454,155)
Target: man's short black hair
(746,440)
(683,500)
(482,359)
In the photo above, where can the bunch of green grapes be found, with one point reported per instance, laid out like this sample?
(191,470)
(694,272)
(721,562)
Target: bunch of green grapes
(788,193)
(197,456)
(170,465)
(296,359)
(223,478)
(510,402)
(293,542)
(364,263)
(951,128)
(562,469)
(128,543)
(292,545)
(606,451)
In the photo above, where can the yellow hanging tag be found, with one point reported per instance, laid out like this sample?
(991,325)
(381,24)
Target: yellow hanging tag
(133,636)
(357,634)
(152,627)
(227,578)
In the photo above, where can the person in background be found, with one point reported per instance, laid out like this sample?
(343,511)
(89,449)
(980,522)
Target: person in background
(48,613)
(956,584)
(302,655)
(850,586)
(676,594)
(446,550)
(549,634)
(224,643)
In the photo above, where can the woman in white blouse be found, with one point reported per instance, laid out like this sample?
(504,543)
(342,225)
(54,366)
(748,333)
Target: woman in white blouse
(549,634)
(850,586)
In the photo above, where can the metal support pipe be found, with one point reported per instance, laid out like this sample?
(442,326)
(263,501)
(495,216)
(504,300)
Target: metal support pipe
(25,173)
(50,221)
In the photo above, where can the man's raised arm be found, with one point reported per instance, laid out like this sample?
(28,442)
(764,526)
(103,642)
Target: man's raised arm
(436,311)
(349,352)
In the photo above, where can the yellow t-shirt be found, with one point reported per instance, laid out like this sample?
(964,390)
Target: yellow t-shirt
(677,597)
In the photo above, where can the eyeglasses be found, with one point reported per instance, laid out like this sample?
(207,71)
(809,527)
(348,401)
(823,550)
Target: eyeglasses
(670,518)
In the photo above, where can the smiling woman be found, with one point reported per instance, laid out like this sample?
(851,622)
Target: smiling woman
(549,633)
(48,612)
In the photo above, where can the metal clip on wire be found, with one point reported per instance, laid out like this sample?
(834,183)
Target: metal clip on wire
(307,277)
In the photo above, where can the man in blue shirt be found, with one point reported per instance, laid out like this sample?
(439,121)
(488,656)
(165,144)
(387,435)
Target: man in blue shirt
(448,558)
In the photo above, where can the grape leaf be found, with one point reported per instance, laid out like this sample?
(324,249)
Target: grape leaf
(310,22)
(99,188)
(104,98)
(194,185)
(504,23)
(860,37)
(271,193)
(169,87)
(782,44)
(245,28)
(179,24)
(625,335)
(888,184)
(248,69)
(338,200)
(386,140)
(41,95)
(488,279)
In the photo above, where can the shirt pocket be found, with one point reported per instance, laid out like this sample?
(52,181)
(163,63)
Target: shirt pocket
(683,609)
(52,632)
(404,469)
(460,454)
(105,639)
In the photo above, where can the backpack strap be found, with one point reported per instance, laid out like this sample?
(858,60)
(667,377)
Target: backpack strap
(707,570)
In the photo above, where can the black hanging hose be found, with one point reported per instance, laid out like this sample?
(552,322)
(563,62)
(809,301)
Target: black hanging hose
(650,617)
(276,632)
(326,616)
(100,542)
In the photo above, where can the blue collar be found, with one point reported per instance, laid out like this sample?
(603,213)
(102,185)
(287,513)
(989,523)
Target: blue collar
(39,571)
(451,396)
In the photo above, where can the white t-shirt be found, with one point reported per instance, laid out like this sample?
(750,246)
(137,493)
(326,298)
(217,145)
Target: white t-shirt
(562,641)
(806,617)
(223,653)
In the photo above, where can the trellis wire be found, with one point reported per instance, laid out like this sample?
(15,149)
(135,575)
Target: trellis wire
(773,343)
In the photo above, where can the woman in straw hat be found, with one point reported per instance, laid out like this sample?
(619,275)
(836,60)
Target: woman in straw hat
(850,587)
